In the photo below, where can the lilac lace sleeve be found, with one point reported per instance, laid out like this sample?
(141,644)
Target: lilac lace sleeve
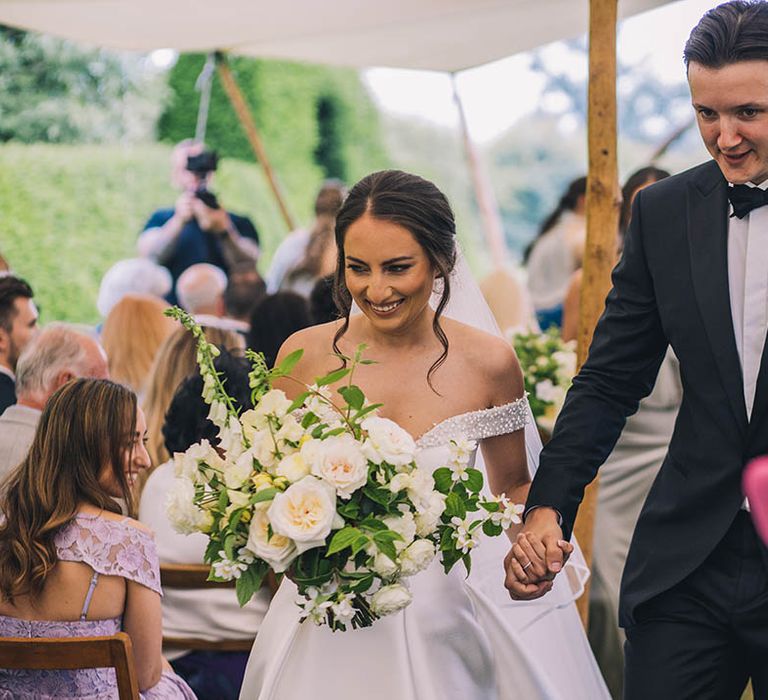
(111,547)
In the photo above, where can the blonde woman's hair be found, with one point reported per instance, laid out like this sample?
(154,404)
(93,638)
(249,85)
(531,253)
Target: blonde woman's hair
(133,331)
(174,362)
(86,426)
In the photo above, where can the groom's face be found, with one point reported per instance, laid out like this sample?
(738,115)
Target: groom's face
(731,106)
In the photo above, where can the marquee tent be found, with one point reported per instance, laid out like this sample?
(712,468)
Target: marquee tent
(444,35)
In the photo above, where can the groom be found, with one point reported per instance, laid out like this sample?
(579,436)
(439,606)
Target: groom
(694,275)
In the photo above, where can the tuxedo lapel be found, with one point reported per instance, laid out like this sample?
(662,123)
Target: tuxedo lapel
(708,247)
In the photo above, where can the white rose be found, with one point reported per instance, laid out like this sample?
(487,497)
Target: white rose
(417,557)
(293,467)
(390,599)
(305,512)
(180,507)
(387,442)
(399,482)
(238,471)
(278,551)
(383,566)
(428,519)
(342,464)
(404,525)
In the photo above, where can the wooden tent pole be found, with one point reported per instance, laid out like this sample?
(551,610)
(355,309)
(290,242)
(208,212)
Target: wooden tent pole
(254,138)
(486,201)
(603,199)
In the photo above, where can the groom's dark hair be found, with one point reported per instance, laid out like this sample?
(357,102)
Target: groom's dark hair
(732,32)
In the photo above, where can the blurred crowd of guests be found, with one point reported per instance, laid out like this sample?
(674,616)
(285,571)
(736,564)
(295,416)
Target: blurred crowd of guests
(204,258)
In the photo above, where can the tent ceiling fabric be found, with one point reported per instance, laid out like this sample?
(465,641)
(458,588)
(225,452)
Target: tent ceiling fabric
(445,35)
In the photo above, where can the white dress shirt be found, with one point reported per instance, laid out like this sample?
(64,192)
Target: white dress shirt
(748,288)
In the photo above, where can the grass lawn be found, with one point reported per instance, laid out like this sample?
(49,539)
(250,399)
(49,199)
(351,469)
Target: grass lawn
(67,213)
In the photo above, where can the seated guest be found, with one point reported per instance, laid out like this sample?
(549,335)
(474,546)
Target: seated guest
(245,289)
(200,290)
(56,355)
(274,319)
(322,307)
(134,330)
(18,324)
(210,614)
(70,564)
(174,362)
(132,276)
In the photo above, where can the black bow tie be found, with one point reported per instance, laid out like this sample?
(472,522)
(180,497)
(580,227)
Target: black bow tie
(744,199)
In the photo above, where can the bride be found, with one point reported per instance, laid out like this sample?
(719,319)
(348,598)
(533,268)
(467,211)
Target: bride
(461,638)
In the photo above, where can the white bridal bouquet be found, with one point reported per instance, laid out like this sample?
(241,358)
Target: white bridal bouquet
(548,365)
(324,488)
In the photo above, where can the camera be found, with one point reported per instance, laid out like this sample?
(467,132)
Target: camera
(202,165)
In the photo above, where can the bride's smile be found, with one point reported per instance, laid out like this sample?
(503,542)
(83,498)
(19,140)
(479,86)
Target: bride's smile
(387,273)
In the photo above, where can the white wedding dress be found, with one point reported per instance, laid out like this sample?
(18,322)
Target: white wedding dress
(462,638)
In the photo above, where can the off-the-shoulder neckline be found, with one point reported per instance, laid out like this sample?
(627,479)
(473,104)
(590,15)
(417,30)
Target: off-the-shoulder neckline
(479,412)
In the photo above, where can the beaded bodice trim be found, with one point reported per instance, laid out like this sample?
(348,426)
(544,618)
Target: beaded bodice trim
(477,425)
(112,548)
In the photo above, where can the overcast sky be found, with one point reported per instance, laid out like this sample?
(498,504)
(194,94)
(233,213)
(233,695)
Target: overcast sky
(497,94)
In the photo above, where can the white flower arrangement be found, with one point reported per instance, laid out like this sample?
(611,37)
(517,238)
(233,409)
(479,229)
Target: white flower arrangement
(325,489)
(548,365)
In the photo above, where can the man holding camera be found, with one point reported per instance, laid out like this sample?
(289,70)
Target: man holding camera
(197,229)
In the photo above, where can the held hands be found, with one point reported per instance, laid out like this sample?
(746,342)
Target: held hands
(537,556)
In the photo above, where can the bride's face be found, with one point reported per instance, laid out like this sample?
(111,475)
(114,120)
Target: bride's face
(387,272)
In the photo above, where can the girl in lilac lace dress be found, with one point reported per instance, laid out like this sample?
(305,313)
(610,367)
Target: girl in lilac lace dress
(70,564)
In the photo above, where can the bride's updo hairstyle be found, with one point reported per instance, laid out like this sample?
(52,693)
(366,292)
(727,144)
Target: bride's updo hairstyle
(418,206)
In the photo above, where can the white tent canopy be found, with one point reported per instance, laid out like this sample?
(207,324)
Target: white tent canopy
(445,35)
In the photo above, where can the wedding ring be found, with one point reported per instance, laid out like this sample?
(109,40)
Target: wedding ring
(530,563)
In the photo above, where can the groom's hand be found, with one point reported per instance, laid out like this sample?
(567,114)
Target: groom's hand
(537,556)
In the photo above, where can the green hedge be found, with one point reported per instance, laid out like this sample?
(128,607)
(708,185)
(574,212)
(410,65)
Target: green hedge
(289,102)
(69,212)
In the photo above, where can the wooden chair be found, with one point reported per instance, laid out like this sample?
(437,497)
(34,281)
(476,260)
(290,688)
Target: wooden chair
(195,576)
(41,654)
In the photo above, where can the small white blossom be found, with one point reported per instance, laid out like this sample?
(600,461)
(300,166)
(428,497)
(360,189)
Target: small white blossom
(343,610)
(227,569)
(465,540)
(314,606)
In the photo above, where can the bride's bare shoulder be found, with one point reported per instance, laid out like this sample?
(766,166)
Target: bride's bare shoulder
(316,342)
(490,353)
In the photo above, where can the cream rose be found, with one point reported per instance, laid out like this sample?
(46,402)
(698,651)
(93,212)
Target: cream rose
(278,551)
(305,512)
(416,557)
(339,461)
(390,599)
(387,442)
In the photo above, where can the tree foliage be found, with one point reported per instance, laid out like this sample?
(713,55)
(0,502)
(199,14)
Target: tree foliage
(316,122)
(56,91)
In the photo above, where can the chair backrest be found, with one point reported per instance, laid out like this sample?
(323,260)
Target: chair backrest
(192,576)
(69,653)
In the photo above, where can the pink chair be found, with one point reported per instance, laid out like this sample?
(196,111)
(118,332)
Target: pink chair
(756,490)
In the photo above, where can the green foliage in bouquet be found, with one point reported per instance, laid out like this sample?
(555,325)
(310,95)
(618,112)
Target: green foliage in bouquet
(323,488)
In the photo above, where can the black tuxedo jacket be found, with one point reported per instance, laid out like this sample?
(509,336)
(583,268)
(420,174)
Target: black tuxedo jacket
(7,392)
(670,287)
